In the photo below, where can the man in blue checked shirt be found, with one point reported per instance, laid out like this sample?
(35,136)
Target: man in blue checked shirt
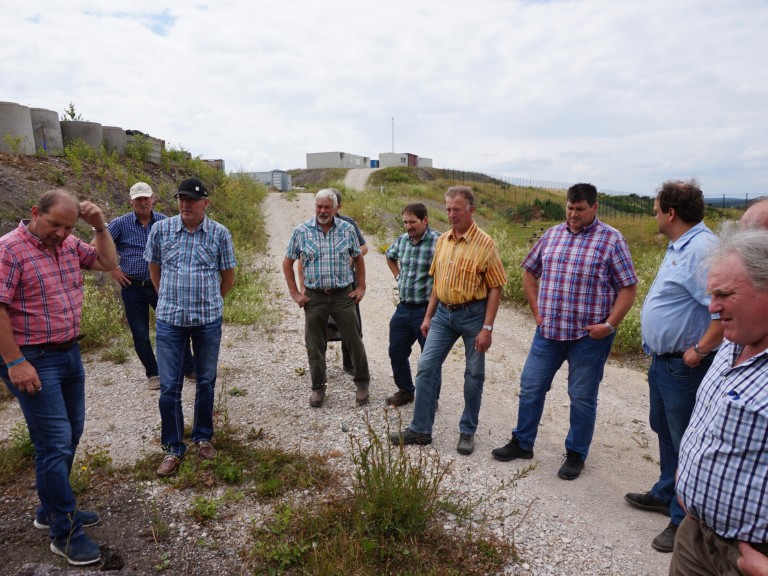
(130,232)
(680,335)
(192,266)
(325,245)
(723,474)
(410,258)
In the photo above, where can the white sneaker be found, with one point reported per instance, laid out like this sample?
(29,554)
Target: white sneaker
(153,383)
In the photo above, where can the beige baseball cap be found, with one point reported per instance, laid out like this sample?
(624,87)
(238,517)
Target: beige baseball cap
(140,190)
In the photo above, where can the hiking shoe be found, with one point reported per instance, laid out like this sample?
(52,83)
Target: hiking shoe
(317,397)
(78,550)
(665,541)
(646,501)
(466,444)
(410,437)
(205,450)
(85,518)
(510,451)
(572,466)
(361,396)
(169,466)
(400,398)
(153,383)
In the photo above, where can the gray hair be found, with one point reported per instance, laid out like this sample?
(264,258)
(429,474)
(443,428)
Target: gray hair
(750,246)
(329,194)
(756,215)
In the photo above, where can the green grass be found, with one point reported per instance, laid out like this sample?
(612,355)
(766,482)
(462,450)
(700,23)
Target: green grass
(17,454)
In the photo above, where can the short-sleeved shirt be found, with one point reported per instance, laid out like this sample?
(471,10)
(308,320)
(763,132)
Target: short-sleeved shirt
(43,294)
(465,268)
(324,256)
(675,312)
(190,263)
(415,258)
(130,238)
(580,275)
(723,471)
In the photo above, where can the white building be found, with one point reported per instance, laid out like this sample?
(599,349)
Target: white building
(336,160)
(389,159)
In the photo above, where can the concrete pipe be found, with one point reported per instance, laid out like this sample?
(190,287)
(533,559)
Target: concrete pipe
(16,136)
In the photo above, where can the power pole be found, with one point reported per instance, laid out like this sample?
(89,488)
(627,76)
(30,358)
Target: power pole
(393,134)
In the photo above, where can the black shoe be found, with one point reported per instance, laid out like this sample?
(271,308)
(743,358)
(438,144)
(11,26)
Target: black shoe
(511,451)
(665,541)
(410,437)
(400,398)
(572,466)
(646,501)
(466,444)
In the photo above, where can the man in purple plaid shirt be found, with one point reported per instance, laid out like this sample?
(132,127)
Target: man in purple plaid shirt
(580,283)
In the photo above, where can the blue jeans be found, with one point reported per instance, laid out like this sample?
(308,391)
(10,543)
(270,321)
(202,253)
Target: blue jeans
(404,330)
(673,387)
(137,300)
(586,361)
(171,343)
(55,417)
(447,327)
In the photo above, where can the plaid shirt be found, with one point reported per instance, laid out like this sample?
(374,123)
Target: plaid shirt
(415,283)
(190,284)
(465,268)
(723,471)
(580,275)
(130,238)
(325,257)
(43,294)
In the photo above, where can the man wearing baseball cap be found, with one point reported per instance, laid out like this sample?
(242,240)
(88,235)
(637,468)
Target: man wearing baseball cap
(130,232)
(192,266)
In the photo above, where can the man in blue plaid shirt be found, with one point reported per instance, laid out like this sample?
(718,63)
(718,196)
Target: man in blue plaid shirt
(325,244)
(409,258)
(723,473)
(192,266)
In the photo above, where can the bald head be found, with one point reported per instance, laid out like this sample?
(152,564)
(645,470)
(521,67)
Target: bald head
(57,196)
(756,215)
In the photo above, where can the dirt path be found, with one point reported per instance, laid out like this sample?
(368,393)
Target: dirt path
(357,177)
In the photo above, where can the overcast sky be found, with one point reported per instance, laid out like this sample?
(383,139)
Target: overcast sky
(623,94)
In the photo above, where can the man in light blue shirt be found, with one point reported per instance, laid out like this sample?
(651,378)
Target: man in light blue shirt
(192,266)
(680,335)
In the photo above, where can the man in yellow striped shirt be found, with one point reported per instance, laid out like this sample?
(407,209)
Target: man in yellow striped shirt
(468,276)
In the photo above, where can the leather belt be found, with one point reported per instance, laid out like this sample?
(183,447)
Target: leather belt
(462,306)
(141,283)
(61,346)
(329,290)
(670,355)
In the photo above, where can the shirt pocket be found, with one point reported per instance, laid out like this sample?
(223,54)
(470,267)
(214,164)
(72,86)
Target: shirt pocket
(739,425)
(171,256)
(206,258)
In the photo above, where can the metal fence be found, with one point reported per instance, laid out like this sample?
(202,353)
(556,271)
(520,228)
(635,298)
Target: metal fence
(613,203)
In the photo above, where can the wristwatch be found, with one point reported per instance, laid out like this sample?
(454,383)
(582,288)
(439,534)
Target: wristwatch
(699,352)
(488,327)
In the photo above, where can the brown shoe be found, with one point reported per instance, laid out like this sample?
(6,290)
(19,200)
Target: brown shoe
(205,450)
(169,466)
(317,397)
(361,396)
(153,383)
(400,398)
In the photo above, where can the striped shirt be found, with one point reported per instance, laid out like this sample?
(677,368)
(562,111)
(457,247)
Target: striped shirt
(723,471)
(130,238)
(43,294)
(464,268)
(579,276)
(415,283)
(190,262)
(325,257)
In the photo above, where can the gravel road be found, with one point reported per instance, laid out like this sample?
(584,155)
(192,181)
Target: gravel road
(571,528)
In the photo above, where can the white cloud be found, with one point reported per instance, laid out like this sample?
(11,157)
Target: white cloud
(623,94)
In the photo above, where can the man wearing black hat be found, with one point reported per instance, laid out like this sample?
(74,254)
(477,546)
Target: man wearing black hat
(191,263)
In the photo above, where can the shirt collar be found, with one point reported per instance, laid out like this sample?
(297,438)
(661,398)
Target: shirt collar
(152,217)
(203,225)
(426,232)
(586,230)
(692,232)
(468,235)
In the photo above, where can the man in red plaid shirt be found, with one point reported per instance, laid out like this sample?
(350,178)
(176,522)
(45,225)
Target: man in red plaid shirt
(41,299)
(580,283)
